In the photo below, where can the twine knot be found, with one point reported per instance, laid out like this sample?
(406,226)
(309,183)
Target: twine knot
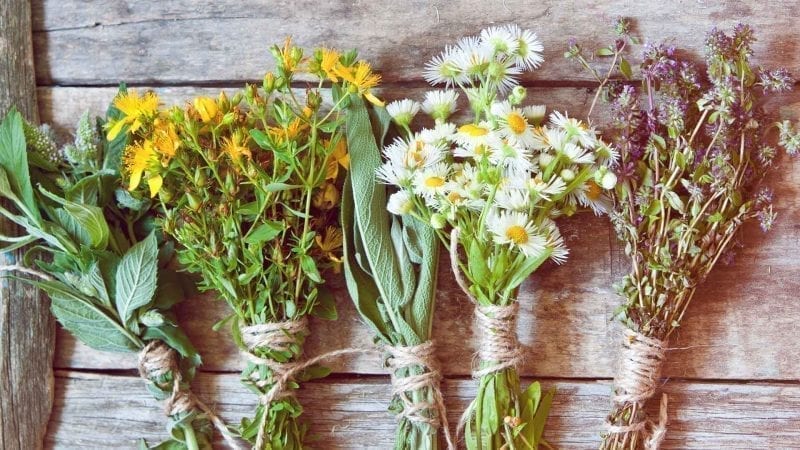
(637,380)
(423,357)
(158,359)
(497,338)
(279,337)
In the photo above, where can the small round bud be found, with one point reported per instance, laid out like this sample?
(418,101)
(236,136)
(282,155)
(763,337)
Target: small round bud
(438,221)
(568,175)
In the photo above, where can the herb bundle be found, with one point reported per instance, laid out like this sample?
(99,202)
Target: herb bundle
(390,266)
(693,146)
(94,252)
(250,189)
(490,187)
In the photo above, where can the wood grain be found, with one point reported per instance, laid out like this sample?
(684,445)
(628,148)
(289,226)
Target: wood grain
(99,412)
(731,330)
(27,334)
(185,41)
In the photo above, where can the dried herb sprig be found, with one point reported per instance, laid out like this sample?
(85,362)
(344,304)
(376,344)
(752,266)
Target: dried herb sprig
(693,144)
(93,250)
(250,189)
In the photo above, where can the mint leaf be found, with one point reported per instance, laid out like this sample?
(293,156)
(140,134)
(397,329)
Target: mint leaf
(136,277)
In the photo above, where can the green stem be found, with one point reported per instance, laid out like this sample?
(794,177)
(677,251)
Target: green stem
(190,437)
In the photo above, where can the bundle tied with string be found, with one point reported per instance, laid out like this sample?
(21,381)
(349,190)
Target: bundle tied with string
(416,369)
(636,381)
(158,361)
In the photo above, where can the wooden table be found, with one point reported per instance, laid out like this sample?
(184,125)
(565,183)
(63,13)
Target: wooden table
(733,372)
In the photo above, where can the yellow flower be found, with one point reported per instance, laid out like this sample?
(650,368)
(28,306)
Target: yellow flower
(327,197)
(135,110)
(207,108)
(330,244)
(330,61)
(339,157)
(138,158)
(362,79)
(165,140)
(235,147)
(286,56)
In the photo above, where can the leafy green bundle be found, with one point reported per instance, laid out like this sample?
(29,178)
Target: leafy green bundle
(95,253)
(390,265)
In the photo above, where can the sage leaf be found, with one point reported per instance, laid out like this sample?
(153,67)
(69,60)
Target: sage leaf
(14,161)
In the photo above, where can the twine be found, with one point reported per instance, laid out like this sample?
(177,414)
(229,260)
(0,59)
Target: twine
(637,381)
(157,359)
(281,336)
(423,356)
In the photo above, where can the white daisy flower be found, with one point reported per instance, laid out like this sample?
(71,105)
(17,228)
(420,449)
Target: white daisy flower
(528,54)
(500,39)
(513,123)
(400,203)
(591,195)
(504,74)
(555,242)
(394,173)
(472,57)
(535,113)
(577,154)
(444,69)
(550,138)
(545,190)
(513,199)
(516,230)
(441,134)
(403,111)
(471,135)
(575,129)
(440,104)
(508,153)
(606,155)
(431,181)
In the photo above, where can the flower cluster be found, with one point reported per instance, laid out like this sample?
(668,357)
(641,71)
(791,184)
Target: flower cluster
(491,185)
(250,187)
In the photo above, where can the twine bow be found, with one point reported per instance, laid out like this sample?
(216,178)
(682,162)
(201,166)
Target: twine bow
(637,381)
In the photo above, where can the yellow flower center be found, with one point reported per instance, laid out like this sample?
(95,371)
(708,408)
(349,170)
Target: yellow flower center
(473,130)
(516,123)
(434,182)
(453,197)
(517,234)
(593,191)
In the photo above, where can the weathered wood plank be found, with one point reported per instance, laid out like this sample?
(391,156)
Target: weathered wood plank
(27,334)
(98,412)
(737,328)
(187,41)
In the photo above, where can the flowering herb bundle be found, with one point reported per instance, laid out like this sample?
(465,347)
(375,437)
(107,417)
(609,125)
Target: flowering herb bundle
(93,251)
(693,146)
(491,186)
(390,266)
(250,189)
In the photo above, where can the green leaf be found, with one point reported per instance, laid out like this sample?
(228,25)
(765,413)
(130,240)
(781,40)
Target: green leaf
(14,161)
(326,305)
(175,338)
(277,187)
(605,51)
(309,267)
(136,277)
(625,68)
(268,230)
(477,263)
(169,290)
(90,219)
(88,322)
(112,157)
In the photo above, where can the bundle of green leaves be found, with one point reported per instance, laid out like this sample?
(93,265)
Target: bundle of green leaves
(390,265)
(693,143)
(94,251)
(491,185)
(250,189)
